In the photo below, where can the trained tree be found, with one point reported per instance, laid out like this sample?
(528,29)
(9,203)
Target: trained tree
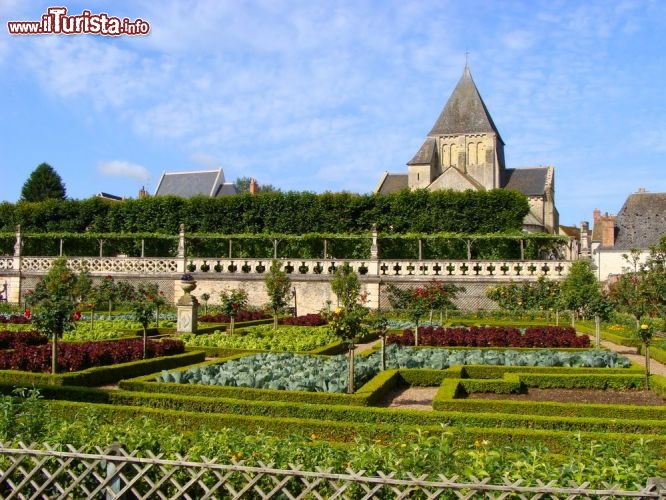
(348,320)
(278,287)
(55,298)
(231,303)
(580,291)
(44,183)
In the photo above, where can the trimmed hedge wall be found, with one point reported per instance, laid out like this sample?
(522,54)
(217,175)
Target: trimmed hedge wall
(103,374)
(558,441)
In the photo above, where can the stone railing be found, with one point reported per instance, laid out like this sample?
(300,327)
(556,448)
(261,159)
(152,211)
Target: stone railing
(107,265)
(203,268)
(460,269)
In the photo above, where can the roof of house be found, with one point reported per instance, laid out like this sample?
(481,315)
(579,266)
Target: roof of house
(424,155)
(391,183)
(641,222)
(196,183)
(529,181)
(464,112)
(571,231)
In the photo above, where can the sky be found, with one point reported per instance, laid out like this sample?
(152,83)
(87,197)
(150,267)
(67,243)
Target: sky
(327,95)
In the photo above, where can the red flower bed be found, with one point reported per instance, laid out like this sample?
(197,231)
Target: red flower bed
(241,316)
(314,319)
(493,336)
(13,340)
(77,356)
(15,319)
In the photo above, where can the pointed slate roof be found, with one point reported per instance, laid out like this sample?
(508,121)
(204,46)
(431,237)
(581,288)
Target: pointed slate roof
(465,112)
(641,222)
(424,155)
(198,183)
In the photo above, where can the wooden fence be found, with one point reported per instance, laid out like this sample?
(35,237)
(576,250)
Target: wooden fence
(30,472)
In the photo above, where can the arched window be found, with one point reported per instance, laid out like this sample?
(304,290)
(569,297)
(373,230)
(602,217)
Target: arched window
(481,152)
(446,155)
(471,153)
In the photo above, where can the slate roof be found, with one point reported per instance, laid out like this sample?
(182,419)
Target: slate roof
(465,112)
(641,222)
(424,155)
(529,181)
(197,183)
(391,183)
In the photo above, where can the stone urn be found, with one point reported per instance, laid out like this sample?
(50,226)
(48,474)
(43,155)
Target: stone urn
(188,286)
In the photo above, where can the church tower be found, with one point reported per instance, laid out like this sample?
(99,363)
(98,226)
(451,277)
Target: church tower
(463,150)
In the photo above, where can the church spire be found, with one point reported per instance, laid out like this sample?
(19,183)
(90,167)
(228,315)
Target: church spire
(465,112)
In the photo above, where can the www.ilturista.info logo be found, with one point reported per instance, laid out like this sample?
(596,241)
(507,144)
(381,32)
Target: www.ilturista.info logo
(57,22)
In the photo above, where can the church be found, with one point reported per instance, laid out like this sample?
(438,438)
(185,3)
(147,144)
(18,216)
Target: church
(464,150)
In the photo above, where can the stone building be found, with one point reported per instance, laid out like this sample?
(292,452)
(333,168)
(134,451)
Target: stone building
(640,224)
(464,150)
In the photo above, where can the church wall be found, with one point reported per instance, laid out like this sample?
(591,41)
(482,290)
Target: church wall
(419,176)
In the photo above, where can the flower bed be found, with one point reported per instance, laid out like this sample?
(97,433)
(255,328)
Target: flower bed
(241,316)
(80,356)
(264,337)
(304,320)
(15,319)
(493,336)
(14,340)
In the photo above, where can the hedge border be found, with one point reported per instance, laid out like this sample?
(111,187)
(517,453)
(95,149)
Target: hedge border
(557,441)
(101,375)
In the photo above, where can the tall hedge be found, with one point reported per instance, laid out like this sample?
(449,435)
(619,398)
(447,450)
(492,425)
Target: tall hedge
(283,213)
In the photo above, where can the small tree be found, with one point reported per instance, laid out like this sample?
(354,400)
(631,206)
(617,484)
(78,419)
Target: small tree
(44,183)
(645,331)
(233,301)
(421,300)
(107,291)
(55,298)
(205,297)
(348,320)
(580,290)
(278,287)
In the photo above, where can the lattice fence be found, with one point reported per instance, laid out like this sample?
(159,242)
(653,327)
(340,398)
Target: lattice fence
(114,473)
(473,299)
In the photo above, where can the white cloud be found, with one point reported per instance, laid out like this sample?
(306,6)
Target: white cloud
(119,168)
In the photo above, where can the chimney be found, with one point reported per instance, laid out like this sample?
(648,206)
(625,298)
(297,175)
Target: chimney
(596,214)
(143,193)
(607,230)
(253,186)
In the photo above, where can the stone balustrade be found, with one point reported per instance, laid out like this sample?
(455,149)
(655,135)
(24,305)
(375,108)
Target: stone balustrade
(209,268)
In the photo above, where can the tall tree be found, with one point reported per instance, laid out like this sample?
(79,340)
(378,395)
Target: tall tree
(44,183)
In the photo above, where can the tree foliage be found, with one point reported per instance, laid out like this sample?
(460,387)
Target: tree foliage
(55,297)
(44,183)
(278,288)
(296,213)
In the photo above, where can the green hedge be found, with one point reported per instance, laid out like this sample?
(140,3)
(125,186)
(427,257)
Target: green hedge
(103,374)
(557,441)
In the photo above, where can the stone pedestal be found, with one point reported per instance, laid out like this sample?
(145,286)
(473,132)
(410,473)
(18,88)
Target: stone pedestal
(187,309)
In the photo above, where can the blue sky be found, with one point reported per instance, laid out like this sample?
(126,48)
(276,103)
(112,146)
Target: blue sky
(327,95)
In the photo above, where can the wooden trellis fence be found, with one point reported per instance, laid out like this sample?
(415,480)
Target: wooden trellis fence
(32,473)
